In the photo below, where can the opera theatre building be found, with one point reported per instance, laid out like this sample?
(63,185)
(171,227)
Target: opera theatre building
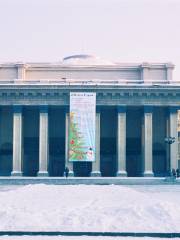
(96,117)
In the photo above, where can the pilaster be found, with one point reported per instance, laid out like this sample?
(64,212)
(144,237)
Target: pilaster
(145,71)
(21,71)
(169,71)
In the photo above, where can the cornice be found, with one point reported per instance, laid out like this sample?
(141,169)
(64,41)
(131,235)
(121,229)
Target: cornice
(82,68)
(85,87)
(170,65)
(61,67)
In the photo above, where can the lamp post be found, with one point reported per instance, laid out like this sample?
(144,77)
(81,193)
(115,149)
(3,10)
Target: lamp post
(169,140)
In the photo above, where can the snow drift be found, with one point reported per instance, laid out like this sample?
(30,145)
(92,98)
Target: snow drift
(88,208)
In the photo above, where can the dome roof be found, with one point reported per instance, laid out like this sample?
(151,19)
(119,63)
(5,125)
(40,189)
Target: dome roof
(85,59)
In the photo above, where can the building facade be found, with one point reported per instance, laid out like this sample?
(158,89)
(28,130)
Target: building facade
(136,109)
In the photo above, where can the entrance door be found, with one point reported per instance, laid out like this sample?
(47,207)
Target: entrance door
(31,141)
(134,143)
(108,142)
(82,169)
(56,141)
(160,166)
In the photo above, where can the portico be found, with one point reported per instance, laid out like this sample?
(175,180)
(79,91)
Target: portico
(135,112)
(132,146)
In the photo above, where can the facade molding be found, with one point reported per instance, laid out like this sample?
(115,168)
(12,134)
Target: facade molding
(17,108)
(43,108)
(112,96)
(148,109)
(121,108)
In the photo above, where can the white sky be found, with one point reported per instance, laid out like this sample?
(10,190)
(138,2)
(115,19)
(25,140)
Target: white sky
(119,30)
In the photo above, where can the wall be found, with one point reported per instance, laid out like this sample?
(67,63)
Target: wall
(83,74)
(54,71)
(8,73)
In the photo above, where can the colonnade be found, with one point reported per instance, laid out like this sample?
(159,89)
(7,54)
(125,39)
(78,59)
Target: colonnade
(121,141)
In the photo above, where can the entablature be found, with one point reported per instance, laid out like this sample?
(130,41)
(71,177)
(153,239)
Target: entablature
(106,95)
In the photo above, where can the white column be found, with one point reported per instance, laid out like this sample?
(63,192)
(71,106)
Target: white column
(168,167)
(43,141)
(67,163)
(96,165)
(142,144)
(17,141)
(173,133)
(121,142)
(148,153)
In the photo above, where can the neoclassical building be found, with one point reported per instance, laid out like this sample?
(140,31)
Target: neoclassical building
(136,109)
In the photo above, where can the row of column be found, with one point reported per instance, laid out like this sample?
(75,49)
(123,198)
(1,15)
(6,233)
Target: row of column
(43,141)
(121,145)
(147,151)
(121,142)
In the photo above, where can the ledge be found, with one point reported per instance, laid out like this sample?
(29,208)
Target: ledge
(89,180)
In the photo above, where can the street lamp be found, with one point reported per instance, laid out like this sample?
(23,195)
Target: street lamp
(169,141)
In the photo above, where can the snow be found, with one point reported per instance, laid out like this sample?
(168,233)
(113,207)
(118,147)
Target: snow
(90,208)
(78,238)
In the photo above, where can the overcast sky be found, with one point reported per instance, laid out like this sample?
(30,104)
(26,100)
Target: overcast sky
(118,30)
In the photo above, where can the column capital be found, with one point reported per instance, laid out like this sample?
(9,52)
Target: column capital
(121,108)
(43,108)
(148,109)
(98,109)
(145,65)
(170,65)
(173,109)
(66,109)
(17,108)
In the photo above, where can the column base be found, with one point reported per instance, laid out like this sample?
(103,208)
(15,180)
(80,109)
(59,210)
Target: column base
(96,174)
(43,174)
(148,174)
(121,174)
(70,174)
(16,174)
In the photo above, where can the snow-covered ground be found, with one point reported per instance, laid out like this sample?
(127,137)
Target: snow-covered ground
(78,238)
(89,208)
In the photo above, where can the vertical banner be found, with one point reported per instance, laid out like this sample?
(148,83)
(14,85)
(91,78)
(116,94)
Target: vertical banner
(82,126)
